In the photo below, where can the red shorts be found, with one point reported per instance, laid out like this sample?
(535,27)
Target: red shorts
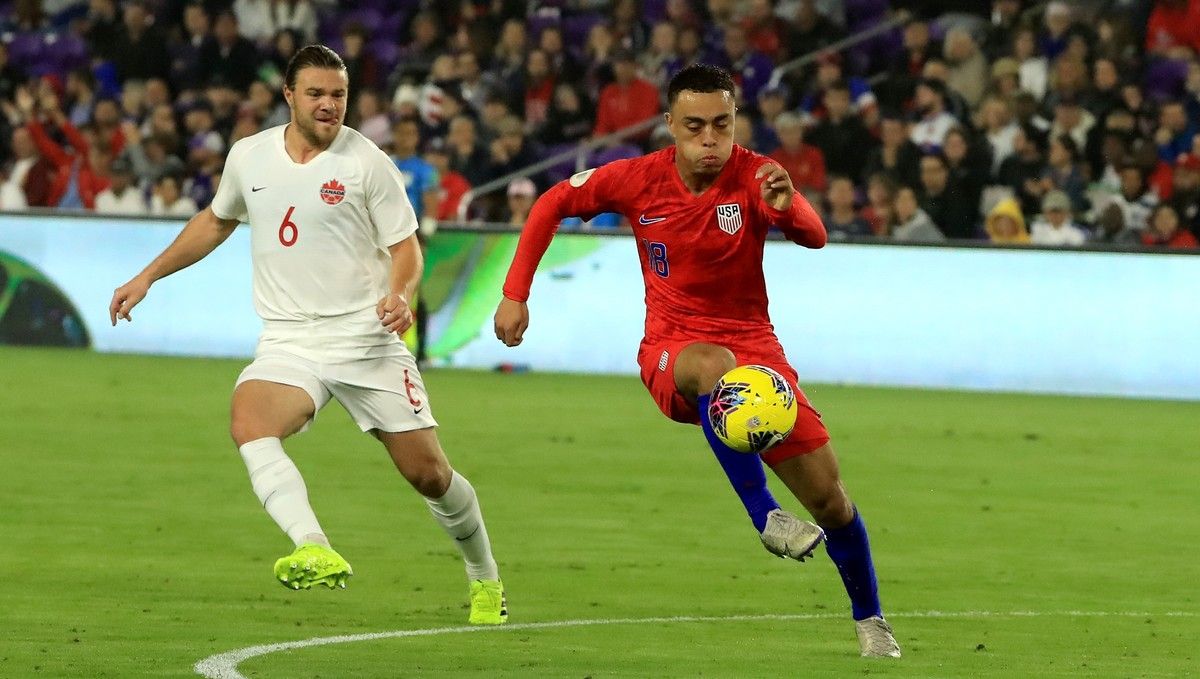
(658,374)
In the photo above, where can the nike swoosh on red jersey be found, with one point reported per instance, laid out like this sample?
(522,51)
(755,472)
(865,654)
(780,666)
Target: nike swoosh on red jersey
(652,220)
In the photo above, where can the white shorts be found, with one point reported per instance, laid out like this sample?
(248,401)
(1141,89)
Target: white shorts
(384,393)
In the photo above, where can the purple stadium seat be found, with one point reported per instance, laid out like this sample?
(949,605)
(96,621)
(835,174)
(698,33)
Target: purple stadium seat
(391,24)
(618,152)
(1164,79)
(534,25)
(860,13)
(369,18)
(654,11)
(387,53)
(561,171)
(576,28)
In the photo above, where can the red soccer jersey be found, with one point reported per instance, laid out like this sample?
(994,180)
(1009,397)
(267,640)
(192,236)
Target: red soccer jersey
(701,256)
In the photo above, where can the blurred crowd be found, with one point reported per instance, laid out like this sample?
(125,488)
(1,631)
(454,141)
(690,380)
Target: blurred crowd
(1011,121)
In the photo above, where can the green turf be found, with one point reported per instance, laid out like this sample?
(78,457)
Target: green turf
(134,547)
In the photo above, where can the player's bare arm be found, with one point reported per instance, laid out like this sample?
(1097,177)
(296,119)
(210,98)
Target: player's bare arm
(202,234)
(393,308)
(776,186)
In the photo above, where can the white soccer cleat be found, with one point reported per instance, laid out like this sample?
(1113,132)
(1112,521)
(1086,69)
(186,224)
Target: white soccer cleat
(790,537)
(875,638)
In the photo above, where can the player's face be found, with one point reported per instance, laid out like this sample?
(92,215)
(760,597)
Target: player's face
(318,104)
(702,125)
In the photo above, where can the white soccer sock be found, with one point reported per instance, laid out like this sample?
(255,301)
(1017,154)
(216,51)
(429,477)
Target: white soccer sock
(458,513)
(281,489)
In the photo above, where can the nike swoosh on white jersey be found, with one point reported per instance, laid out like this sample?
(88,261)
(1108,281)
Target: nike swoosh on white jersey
(652,220)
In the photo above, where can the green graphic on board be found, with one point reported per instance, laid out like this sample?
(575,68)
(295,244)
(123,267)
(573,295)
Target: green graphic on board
(34,311)
(464,276)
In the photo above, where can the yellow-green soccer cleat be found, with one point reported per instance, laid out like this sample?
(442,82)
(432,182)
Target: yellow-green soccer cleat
(488,605)
(313,564)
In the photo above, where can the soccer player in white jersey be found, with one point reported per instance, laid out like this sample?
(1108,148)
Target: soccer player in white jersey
(335,262)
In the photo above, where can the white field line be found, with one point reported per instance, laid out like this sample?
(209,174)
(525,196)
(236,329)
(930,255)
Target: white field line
(224,665)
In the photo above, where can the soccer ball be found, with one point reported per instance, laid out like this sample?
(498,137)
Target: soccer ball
(752,408)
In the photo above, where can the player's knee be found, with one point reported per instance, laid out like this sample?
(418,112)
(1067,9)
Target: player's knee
(430,479)
(711,364)
(831,507)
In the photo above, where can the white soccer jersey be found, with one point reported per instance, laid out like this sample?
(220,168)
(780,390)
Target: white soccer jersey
(319,233)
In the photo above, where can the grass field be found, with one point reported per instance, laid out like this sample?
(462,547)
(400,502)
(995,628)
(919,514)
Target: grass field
(1054,536)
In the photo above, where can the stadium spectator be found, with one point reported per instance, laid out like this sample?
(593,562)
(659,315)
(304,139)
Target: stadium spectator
(80,172)
(772,101)
(841,136)
(1004,19)
(765,30)
(141,51)
(468,157)
(656,61)
(804,163)
(508,58)
(362,68)
(951,209)
(1058,29)
(184,50)
(204,142)
(539,85)
(563,63)
(427,43)
(809,30)
(1110,228)
(1005,78)
(1135,199)
(274,63)
(1035,70)
(999,129)
(897,90)
(829,72)
(521,193)
(751,69)
(1005,225)
(256,21)
(225,55)
(1185,195)
(967,166)
(265,106)
(933,121)
(451,185)
(1173,24)
(1022,171)
(627,101)
(511,150)
(102,28)
(11,76)
(895,154)
(474,85)
(420,178)
(296,15)
(29,175)
(367,115)
(1054,226)
(1166,231)
(968,69)
(150,157)
(1105,93)
(842,221)
(106,125)
(1071,119)
(628,29)
(567,122)
(122,196)
(80,91)
(1175,131)
(911,224)
(879,211)
(1064,173)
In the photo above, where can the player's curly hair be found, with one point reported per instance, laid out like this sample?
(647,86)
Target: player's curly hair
(700,78)
(318,56)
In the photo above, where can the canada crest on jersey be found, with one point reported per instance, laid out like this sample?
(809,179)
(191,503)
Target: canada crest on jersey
(332,192)
(729,217)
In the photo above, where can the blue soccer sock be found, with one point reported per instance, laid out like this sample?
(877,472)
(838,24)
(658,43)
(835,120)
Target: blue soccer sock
(851,553)
(745,472)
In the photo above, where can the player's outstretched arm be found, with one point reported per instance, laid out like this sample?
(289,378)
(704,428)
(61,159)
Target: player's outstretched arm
(787,209)
(202,235)
(587,193)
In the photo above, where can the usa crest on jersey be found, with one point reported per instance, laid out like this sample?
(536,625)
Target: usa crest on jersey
(729,217)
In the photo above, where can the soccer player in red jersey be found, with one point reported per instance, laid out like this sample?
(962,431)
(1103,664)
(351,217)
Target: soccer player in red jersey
(700,211)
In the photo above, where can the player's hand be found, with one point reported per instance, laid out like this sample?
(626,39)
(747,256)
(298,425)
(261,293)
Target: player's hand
(512,318)
(394,313)
(776,186)
(126,297)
